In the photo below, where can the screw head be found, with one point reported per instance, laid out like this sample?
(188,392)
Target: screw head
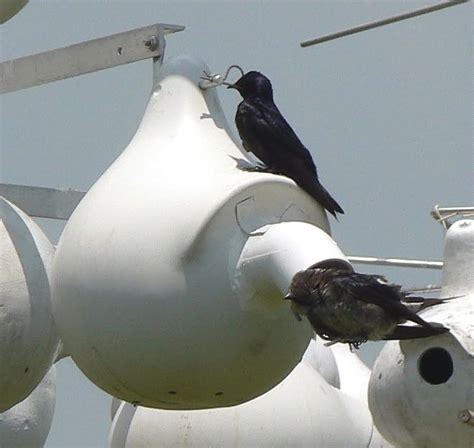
(152,43)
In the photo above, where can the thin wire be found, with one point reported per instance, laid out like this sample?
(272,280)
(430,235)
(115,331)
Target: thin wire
(215,79)
(238,67)
(383,22)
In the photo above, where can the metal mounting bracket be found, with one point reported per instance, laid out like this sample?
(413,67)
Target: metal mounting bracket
(444,214)
(86,57)
(41,202)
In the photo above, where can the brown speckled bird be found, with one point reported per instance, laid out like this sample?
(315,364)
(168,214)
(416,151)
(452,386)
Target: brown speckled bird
(348,307)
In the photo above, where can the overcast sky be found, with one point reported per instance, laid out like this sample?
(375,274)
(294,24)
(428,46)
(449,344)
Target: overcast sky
(387,115)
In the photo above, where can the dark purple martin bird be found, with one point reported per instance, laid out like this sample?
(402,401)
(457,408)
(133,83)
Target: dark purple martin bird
(344,306)
(265,132)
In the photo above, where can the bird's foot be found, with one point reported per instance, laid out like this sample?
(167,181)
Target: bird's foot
(253,169)
(258,169)
(331,338)
(354,345)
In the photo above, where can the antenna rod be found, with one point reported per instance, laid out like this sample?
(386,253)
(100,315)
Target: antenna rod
(383,22)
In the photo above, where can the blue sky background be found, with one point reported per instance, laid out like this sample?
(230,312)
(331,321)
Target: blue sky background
(387,115)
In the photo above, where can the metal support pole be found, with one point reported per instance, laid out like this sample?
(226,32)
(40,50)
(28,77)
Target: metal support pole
(401,262)
(383,22)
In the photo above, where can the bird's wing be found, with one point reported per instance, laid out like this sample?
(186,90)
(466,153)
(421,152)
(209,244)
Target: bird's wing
(370,289)
(266,133)
(404,332)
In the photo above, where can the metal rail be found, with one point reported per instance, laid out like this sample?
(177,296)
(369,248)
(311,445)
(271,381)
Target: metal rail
(427,289)
(42,202)
(383,22)
(400,262)
(443,214)
(85,57)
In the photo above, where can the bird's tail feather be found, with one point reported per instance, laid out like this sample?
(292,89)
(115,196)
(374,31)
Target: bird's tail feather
(417,304)
(409,314)
(318,192)
(404,332)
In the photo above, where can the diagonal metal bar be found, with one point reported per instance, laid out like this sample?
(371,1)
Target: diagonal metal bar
(42,202)
(85,57)
(383,22)
(401,262)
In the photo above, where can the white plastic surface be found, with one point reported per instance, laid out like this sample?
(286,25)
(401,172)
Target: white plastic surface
(458,272)
(28,338)
(114,406)
(409,410)
(27,424)
(354,378)
(144,283)
(353,373)
(302,411)
(322,359)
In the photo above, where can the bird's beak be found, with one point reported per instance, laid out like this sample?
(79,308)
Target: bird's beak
(287,297)
(232,86)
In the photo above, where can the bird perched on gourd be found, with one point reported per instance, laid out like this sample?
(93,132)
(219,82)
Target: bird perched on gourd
(265,133)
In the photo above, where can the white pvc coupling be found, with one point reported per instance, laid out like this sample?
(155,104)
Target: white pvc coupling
(271,257)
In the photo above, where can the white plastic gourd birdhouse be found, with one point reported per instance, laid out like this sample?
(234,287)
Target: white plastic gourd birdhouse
(27,424)
(28,337)
(420,391)
(303,410)
(155,289)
